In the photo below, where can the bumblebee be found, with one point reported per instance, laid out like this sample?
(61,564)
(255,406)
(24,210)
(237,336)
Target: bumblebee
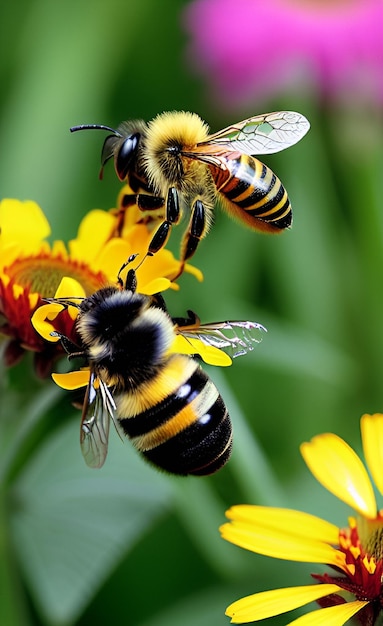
(173,163)
(162,401)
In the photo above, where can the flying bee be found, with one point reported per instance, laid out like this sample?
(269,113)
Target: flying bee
(173,163)
(163,401)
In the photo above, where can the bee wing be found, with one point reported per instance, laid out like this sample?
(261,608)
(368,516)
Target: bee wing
(262,134)
(97,411)
(234,338)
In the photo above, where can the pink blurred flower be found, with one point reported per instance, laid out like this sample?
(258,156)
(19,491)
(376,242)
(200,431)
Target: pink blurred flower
(251,49)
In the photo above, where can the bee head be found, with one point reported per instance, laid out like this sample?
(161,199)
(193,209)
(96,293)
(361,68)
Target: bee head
(167,137)
(125,154)
(122,145)
(105,314)
(124,333)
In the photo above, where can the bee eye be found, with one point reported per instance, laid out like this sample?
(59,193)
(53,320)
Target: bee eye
(175,150)
(126,155)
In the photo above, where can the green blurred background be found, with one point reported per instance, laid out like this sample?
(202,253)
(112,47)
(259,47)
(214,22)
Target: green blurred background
(127,545)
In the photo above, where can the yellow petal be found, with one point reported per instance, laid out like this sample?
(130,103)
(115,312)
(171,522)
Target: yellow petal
(72,380)
(17,291)
(162,263)
(42,317)
(194,271)
(94,231)
(138,238)
(268,603)
(330,616)
(285,542)
(289,521)
(372,438)
(155,286)
(33,300)
(339,469)
(70,288)
(210,354)
(117,251)
(112,256)
(59,250)
(174,286)
(23,222)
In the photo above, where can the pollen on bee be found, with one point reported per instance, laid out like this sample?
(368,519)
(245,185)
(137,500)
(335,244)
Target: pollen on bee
(182,127)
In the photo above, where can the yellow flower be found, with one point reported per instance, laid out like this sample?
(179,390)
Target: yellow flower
(31,270)
(354,553)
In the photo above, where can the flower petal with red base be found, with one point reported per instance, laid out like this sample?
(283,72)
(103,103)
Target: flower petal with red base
(283,534)
(330,616)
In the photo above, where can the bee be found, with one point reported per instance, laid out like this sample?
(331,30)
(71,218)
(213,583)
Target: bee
(173,163)
(163,401)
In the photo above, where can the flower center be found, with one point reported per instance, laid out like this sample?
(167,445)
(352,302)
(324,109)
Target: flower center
(42,274)
(364,564)
(371,534)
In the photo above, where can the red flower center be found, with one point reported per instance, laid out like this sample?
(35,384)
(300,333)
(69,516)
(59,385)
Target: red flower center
(365,576)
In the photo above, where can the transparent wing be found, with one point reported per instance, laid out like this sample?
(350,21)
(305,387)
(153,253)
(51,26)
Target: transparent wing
(234,338)
(98,409)
(262,134)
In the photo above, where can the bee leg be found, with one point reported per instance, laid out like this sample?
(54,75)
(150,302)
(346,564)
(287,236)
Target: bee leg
(196,230)
(70,348)
(192,321)
(172,217)
(159,302)
(144,201)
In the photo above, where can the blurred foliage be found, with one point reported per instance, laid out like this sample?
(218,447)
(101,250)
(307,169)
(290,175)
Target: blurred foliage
(126,544)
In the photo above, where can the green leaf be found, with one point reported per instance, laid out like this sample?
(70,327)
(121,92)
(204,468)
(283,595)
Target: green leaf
(72,525)
(205,609)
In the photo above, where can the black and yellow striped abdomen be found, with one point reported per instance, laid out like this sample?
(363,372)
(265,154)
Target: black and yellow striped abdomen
(254,193)
(178,419)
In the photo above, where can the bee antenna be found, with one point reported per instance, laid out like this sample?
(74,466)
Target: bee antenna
(130,283)
(74,129)
(141,262)
(131,280)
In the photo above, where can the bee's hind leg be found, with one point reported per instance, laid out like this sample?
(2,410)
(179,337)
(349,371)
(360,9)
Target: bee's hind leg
(197,229)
